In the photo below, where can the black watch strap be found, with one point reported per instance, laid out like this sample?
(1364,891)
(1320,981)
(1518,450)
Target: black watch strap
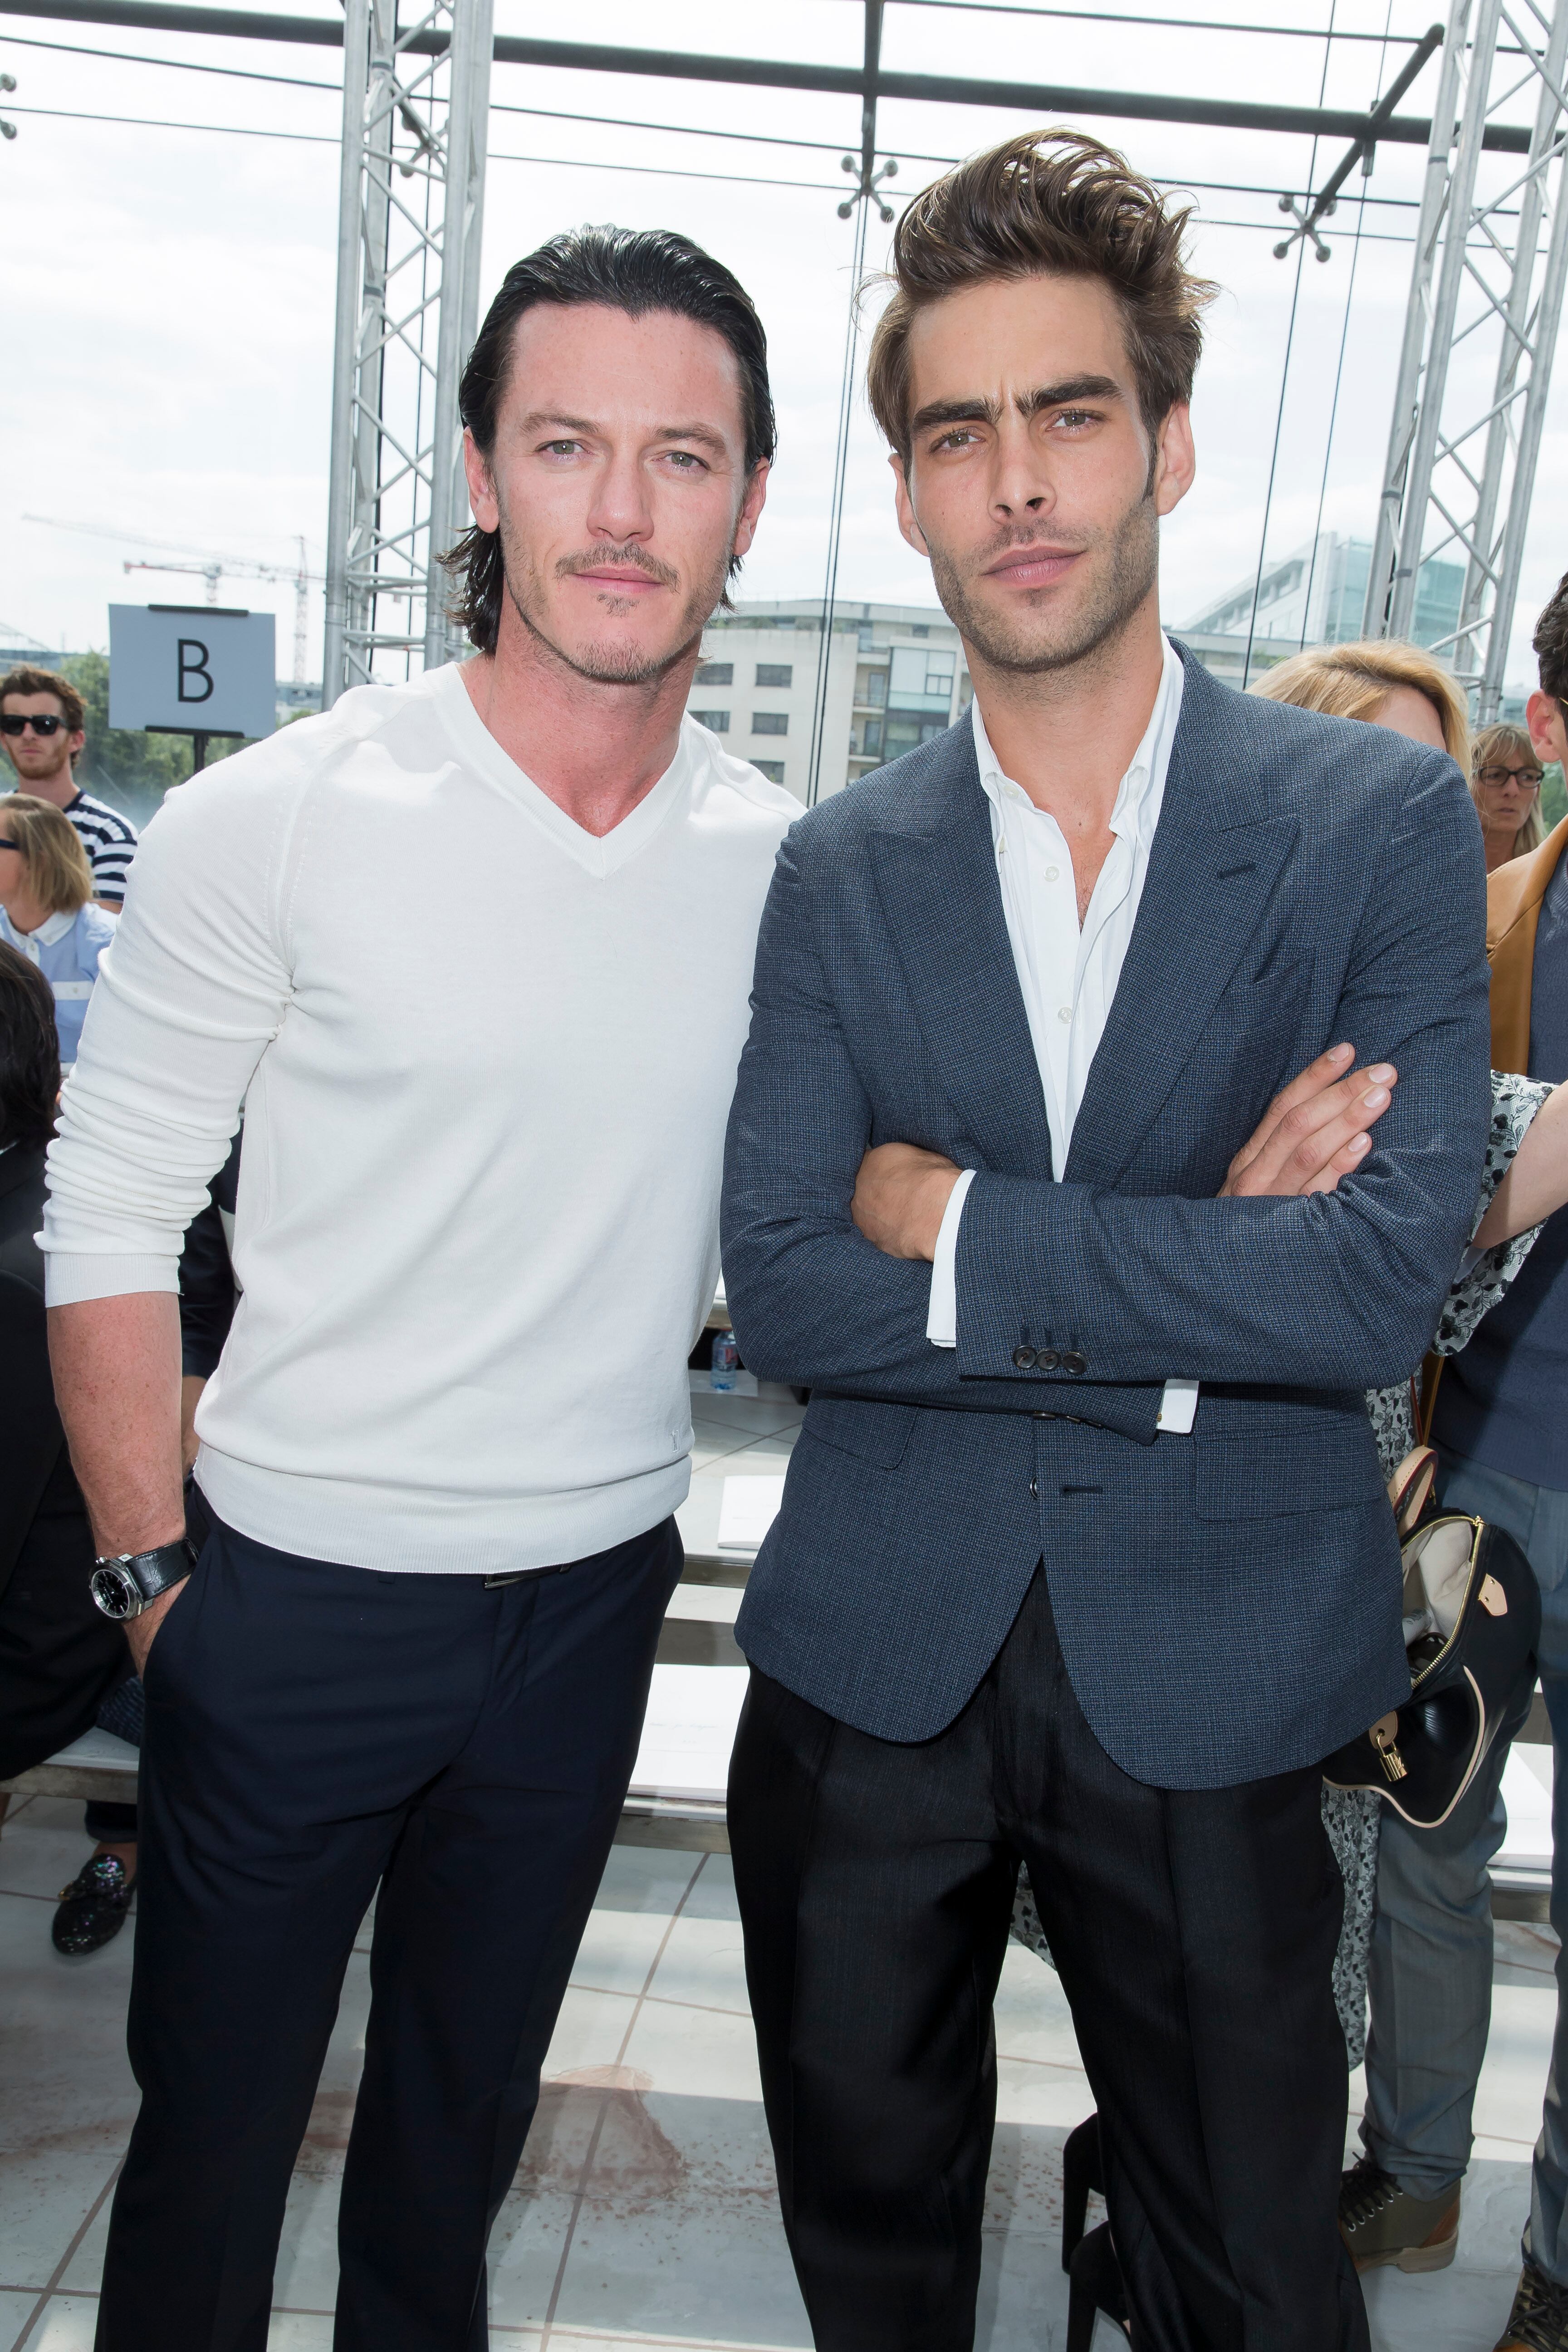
(154,1571)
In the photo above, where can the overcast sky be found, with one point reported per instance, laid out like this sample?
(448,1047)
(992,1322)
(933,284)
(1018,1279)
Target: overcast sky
(168,291)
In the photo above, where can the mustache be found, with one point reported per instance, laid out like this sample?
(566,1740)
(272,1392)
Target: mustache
(1014,541)
(634,558)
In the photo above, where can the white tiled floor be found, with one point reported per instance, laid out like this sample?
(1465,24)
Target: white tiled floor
(645,2213)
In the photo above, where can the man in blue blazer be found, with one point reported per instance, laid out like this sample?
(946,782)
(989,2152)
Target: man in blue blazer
(1084,1557)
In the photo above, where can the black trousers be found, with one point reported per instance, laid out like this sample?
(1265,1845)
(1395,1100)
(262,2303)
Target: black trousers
(312,1732)
(1195,1934)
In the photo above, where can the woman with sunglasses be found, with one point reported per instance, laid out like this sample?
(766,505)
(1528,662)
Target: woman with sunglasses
(46,908)
(1505,785)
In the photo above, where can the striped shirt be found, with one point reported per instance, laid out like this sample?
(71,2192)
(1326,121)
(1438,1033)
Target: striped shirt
(109,841)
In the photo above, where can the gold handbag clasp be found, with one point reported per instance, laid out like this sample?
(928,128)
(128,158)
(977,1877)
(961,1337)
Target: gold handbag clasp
(1385,1738)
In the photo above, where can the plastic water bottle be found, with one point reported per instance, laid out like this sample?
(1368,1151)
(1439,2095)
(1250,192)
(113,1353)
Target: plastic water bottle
(726,1360)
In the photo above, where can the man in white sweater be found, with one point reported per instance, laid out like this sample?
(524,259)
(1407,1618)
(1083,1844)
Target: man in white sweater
(473,954)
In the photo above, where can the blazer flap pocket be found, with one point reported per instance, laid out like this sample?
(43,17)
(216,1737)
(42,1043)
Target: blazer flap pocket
(872,1432)
(1276,1471)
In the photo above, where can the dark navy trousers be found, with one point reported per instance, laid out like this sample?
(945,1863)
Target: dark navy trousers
(315,1734)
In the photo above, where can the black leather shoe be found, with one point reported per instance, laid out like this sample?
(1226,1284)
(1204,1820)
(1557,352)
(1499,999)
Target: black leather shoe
(93,1909)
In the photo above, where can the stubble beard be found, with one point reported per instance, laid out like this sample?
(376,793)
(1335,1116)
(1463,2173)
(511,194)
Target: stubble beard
(605,662)
(60,771)
(1035,642)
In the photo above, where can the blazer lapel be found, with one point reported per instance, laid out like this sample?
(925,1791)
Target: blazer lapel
(1213,867)
(942,904)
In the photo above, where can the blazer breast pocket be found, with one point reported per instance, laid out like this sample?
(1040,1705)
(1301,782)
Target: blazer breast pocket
(877,1434)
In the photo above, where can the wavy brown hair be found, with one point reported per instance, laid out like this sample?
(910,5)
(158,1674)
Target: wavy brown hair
(1049,203)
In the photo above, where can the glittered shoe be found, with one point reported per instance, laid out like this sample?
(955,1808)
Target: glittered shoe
(93,1909)
(1382,2225)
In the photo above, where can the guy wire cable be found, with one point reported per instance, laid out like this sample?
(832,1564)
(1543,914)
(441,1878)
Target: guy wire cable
(1284,388)
(835,516)
(1339,375)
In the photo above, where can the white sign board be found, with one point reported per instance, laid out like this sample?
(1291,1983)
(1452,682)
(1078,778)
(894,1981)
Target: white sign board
(195,667)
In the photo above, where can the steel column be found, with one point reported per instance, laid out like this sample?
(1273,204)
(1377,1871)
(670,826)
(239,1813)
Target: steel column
(415,123)
(1484,16)
(1457,459)
(467,144)
(1412,351)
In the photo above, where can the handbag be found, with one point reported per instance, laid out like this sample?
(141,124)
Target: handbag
(1472,1621)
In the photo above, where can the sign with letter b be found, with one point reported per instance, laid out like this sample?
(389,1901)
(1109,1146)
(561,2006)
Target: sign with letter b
(192,669)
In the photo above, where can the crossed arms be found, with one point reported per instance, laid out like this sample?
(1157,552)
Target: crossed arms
(1334,1289)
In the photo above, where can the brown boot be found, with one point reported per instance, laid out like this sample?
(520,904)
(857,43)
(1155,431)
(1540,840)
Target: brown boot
(1382,2224)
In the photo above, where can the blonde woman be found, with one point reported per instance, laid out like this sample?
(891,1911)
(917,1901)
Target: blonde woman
(46,908)
(1386,682)
(1505,785)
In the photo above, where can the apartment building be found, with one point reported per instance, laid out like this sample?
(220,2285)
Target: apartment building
(896,676)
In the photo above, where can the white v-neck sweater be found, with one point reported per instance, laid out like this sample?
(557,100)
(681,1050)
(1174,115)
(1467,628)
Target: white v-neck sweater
(486,1062)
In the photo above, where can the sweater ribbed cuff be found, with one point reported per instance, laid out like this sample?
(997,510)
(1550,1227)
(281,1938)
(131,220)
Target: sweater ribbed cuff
(70,1276)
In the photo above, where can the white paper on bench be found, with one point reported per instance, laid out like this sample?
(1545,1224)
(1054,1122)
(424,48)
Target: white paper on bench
(748,1510)
(1526,1793)
(99,1751)
(688,1731)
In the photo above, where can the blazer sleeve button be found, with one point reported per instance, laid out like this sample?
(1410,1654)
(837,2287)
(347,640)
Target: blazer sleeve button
(1048,1359)
(1073,1363)
(1024,1358)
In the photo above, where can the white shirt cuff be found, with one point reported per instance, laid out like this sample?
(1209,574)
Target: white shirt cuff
(941,1319)
(1178,1408)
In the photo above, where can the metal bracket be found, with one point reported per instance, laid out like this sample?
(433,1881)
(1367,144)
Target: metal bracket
(1363,151)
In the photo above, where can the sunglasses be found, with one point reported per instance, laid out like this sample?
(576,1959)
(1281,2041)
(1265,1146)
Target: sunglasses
(1497,777)
(16,846)
(11,723)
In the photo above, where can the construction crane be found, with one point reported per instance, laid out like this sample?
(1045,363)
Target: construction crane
(212,569)
(238,567)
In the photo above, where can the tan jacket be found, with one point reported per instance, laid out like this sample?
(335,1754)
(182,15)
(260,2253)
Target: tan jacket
(1513,909)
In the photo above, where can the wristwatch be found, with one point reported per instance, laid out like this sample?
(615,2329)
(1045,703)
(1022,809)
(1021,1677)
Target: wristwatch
(130,1582)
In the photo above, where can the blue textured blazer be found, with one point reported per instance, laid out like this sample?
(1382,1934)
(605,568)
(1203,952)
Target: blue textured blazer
(1227,1602)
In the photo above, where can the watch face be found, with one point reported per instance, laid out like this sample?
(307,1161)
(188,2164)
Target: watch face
(116,1593)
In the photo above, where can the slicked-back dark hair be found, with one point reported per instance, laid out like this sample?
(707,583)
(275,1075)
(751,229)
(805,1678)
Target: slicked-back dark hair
(1048,203)
(29,1052)
(1550,644)
(634,270)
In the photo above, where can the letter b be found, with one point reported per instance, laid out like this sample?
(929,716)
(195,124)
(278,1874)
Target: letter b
(190,669)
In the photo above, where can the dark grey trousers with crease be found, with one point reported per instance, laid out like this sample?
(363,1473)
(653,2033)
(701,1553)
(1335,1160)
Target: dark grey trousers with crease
(1194,1933)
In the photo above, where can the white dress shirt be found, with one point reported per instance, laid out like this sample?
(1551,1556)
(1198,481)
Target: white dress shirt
(1067,976)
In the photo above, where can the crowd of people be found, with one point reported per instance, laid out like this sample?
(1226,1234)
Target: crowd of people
(1111,1141)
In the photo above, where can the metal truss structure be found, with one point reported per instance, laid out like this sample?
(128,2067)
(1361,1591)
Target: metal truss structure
(411,204)
(1485,306)
(1481,330)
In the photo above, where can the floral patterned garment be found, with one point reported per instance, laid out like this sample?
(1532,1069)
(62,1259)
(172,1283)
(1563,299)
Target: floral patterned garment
(1352,1816)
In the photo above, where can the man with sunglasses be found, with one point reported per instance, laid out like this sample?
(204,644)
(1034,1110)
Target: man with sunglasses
(41,717)
(1502,1429)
